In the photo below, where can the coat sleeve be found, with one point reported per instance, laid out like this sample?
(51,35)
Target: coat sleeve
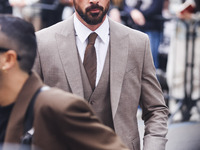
(72,124)
(155,111)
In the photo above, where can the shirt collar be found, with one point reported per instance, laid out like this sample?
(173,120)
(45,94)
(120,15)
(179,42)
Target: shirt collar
(83,32)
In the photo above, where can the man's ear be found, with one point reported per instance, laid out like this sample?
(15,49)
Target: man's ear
(10,59)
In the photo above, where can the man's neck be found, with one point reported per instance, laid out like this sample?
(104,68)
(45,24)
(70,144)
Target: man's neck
(12,85)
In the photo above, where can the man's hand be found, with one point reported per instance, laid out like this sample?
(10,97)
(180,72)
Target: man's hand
(18,3)
(137,17)
(185,16)
(115,15)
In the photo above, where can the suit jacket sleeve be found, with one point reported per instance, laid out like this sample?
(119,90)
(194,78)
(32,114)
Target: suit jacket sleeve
(155,111)
(72,123)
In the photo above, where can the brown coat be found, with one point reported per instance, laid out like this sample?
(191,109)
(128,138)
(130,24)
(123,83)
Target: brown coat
(62,121)
(132,79)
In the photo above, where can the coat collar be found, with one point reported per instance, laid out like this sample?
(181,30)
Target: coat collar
(16,121)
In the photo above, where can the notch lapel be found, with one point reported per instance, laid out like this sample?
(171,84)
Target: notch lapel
(119,54)
(69,59)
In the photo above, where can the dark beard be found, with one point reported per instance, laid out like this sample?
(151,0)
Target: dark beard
(95,18)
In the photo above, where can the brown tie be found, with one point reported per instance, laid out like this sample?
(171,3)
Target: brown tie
(90,61)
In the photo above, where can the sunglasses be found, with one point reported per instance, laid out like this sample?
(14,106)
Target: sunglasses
(5,50)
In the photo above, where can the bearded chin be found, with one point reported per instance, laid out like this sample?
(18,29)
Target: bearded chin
(92,19)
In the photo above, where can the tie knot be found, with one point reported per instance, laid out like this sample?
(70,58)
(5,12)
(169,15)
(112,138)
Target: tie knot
(91,38)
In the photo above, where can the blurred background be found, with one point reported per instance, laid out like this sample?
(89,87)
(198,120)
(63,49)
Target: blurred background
(173,27)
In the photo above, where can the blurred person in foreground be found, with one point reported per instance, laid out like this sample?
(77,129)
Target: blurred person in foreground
(120,76)
(61,120)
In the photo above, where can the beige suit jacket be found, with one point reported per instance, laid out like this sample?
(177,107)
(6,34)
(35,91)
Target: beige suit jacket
(62,121)
(132,79)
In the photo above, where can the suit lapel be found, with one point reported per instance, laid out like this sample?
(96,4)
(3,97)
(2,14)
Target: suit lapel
(69,58)
(119,54)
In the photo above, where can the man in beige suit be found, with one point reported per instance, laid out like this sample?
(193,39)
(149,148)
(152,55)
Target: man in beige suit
(62,121)
(125,75)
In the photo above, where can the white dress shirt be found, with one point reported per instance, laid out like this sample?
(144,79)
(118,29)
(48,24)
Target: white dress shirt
(101,43)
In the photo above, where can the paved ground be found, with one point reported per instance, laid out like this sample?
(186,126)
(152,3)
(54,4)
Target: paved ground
(184,136)
(181,135)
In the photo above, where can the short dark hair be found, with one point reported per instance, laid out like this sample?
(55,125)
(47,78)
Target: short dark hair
(22,36)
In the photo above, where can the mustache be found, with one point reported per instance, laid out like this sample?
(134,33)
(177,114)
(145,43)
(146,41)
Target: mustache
(94,6)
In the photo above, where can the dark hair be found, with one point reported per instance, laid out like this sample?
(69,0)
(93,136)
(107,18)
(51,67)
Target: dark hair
(22,36)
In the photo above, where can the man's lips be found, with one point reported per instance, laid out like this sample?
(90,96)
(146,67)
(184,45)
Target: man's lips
(95,10)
